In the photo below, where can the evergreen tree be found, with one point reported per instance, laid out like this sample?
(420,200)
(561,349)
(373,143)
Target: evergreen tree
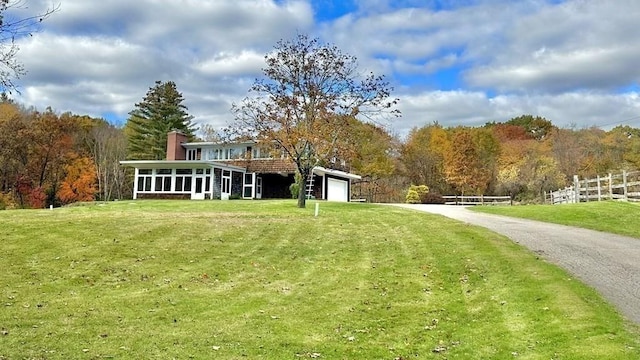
(160,112)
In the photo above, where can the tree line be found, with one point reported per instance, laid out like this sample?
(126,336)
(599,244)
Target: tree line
(50,159)
(314,105)
(523,157)
(57,159)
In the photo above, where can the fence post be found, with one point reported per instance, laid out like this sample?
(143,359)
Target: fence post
(576,189)
(586,190)
(624,182)
(599,190)
(610,187)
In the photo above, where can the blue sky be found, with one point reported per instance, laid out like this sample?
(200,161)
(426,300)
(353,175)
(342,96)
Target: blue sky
(462,62)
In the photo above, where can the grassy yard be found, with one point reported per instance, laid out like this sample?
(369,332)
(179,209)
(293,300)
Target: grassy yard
(611,216)
(265,280)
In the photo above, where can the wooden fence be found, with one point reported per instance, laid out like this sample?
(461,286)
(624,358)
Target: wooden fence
(476,200)
(624,186)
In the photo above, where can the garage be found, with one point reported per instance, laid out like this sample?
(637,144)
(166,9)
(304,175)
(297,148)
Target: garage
(337,190)
(333,185)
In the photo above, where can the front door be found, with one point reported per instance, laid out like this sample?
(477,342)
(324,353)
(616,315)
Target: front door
(225,188)
(198,189)
(258,187)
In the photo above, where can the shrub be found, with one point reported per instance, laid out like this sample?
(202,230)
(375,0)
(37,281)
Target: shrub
(7,202)
(415,194)
(294,188)
(432,198)
(37,198)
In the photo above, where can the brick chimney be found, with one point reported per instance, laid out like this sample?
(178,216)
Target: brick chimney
(175,151)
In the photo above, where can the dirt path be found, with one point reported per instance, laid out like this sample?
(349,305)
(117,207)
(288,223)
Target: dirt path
(609,263)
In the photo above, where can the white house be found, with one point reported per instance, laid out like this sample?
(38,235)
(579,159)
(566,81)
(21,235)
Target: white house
(207,170)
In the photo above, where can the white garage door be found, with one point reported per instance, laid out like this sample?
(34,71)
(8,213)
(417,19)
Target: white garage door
(337,190)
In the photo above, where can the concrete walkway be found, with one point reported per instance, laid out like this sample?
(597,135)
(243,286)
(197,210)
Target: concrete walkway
(609,263)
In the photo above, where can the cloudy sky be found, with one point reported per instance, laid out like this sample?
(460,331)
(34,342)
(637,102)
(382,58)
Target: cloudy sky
(457,62)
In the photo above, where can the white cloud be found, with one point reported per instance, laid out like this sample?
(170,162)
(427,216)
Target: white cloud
(467,108)
(572,45)
(101,57)
(232,64)
(570,61)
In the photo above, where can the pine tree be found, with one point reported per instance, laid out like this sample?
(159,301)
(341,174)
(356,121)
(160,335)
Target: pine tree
(160,112)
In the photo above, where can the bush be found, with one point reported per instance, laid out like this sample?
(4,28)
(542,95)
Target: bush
(415,194)
(432,198)
(7,202)
(294,188)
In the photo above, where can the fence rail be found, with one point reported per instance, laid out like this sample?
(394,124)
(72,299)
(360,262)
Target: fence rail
(624,186)
(476,200)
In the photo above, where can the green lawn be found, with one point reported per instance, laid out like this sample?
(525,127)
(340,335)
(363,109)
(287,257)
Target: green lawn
(616,217)
(265,280)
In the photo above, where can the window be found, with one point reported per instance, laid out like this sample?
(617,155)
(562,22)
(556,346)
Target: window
(144,182)
(194,154)
(183,180)
(247,191)
(226,182)
(163,180)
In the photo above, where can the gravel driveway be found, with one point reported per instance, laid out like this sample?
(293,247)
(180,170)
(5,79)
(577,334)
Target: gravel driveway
(609,263)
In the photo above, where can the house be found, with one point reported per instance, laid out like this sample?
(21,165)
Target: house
(208,170)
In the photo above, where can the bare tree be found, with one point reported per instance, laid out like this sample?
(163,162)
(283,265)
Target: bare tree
(108,145)
(12,28)
(304,104)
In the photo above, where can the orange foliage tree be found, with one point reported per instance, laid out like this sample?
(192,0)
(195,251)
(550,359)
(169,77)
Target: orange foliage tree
(79,183)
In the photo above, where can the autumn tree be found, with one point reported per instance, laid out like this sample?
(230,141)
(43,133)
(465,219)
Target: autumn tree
(536,126)
(12,28)
(509,177)
(423,157)
(622,145)
(79,183)
(463,164)
(309,94)
(34,148)
(509,132)
(160,112)
(11,121)
(488,149)
(375,156)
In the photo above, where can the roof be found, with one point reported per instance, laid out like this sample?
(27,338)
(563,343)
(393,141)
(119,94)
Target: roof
(266,166)
(221,144)
(259,166)
(175,164)
(319,170)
